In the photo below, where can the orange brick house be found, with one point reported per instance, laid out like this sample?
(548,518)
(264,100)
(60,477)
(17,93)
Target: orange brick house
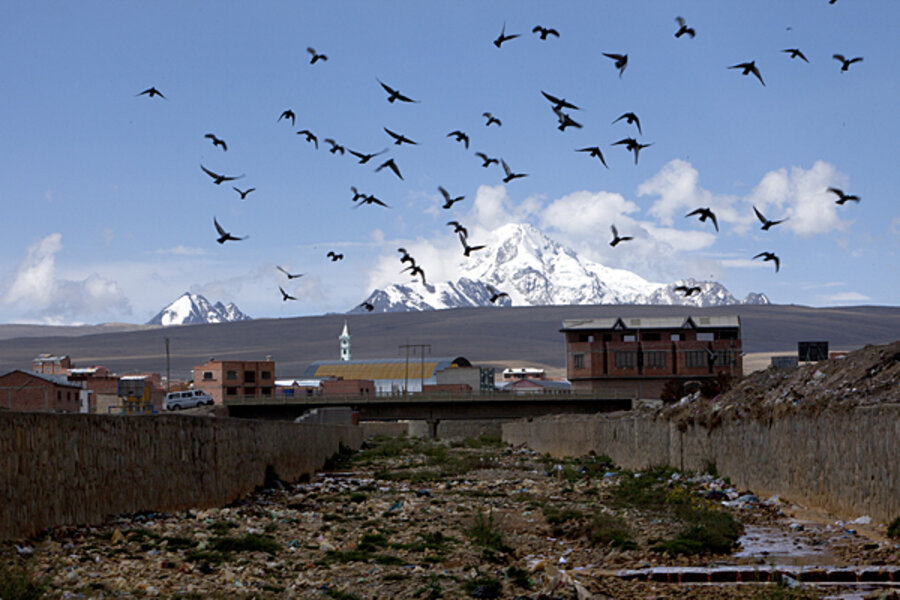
(24,391)
(236,379)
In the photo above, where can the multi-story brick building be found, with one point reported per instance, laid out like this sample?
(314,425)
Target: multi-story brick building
(24,391)
(236,379)
(635,357)
(51,365)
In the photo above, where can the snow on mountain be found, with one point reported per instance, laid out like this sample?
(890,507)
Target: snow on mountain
(194,308)
(537,271)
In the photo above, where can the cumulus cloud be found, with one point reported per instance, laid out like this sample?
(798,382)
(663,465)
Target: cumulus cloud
(41,293)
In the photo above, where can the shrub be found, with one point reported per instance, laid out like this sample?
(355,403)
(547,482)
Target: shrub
(252,542)
(485,533)
(893,530)
(18,584)
(611,531)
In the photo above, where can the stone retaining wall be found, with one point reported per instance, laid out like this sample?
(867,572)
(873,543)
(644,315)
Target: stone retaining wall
(71,469)
(846,462)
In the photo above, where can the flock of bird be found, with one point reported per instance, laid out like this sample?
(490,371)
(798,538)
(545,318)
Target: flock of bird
(560,107)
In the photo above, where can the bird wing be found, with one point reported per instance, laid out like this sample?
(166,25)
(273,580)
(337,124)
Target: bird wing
(505,167)
(839,57)
(444,193)
(680,21)
(552,99)
(219,227)
(392,134)
(712,217)
(615,231)
(387,88)
(760,216)
(855,60)
(210,173)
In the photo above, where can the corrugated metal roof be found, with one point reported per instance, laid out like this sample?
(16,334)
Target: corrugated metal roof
(385,368)
(55,379)
(653,322)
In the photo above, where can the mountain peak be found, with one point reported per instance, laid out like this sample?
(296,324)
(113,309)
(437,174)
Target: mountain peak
(190,309)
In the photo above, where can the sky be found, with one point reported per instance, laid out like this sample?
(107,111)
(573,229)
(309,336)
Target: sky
(108,216)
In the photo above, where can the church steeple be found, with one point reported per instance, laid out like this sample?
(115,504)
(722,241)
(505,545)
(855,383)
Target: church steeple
(345,343)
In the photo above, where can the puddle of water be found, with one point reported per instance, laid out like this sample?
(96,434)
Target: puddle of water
(776,545)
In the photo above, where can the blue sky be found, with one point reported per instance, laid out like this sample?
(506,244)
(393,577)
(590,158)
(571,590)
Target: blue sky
(108,217)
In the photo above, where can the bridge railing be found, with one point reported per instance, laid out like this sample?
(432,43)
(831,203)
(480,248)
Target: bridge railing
(434,398)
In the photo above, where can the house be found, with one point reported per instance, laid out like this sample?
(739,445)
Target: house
(637,357)
(24,391)
(236,379)
(51,365)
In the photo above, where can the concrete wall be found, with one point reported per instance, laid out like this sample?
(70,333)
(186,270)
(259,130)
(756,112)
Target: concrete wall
(67,469)
(845,462)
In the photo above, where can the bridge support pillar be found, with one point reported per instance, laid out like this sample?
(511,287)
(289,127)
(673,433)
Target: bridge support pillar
(432,428)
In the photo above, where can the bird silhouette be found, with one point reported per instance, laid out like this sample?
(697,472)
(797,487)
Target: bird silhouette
(749,67)
(704,214)
(244,192)
(406,257)
(364,158)
(315,56)
(217,141)
(617,238)
(594,151)
(769,256)
(621,61)
(416,270)
(684,29)
(460,137)
(565,120)
(496,294)
(391,165)
(766,223)
(795,53)
(399,138)
(486,160)
(151,92)
(630,118)
(544,31)
(335,147)
(509,174)
(845,62)
(842,197)
(467,249)
(289,274)
(448,201)
(503,37)
(370,199)
(558,103)
(310,137)
(394,95)
(368,306)
(687,291)
(288,114)
(491,119)
(218,179)
(284,295)
(632,145)
(357,195)
(458,228)
(334,256)
(224,236)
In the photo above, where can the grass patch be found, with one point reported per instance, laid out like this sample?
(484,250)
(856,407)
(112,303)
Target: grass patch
(395,577)
(486,534)
(558,516)
(893,530)
(142,534)
(358,497)
(487,587)
(222,528)
(340,595)
(18,584)
(707,531)
(483,441)
(177,542)
(519,577)
(252,542)
(207,556)
(611,531)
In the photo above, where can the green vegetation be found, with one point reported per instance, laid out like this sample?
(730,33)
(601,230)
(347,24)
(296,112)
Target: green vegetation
(519,577)
(211,557)
(485,533)
(893,530)
(358,497)
(431,590)
(18,584)
(221,528)
(252,542)
(176,542)
(558,516)
(339,595)
(483,441)
(488,587)
(612,531)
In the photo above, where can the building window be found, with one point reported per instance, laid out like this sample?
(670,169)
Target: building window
(250,391)
(207,375)
(629,337)
(583,337)
(726,358)
(675,337)
(265,375)
(267,391)
(625,360)
(651,337)
(231,391)
(694,359)
(249,377)
(578,361)
(655,359)
(705,336)
(607,337)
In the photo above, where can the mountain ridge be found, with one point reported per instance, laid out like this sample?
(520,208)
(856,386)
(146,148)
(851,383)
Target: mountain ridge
(192,309)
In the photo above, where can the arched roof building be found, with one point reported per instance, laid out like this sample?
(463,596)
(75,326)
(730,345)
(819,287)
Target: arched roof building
(391,375)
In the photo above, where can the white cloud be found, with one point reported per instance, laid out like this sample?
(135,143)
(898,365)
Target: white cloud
(182,251)
(38,290)
(848,297)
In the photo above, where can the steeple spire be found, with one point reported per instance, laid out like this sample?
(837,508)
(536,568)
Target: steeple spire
(345,343)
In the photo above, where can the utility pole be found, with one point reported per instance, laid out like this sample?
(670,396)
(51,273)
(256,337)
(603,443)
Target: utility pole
(168,369)
(421,366)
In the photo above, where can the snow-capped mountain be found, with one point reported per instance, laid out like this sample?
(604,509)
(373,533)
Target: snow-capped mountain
(194,308)
(537,271)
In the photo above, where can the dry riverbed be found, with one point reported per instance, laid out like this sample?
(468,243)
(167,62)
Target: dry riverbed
(407,518)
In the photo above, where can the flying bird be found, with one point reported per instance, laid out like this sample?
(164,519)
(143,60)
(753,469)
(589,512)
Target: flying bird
(565,120)
(399,138)
(687,291)
(289,275)
(544,31)
(559,103)
(842,197)
(357,195)
(394,95)
(335,147)
(704,214)
(509,174)
(224,236)
(315,56)
(285,296)
(389,163)
(406,257)
(632,145)
(594,151)
(621,61)
(364,158)
(217,141)
(631,118)
(460,137)
(491,119)
(334,256)
(845,63)
(617,238)
(310,137)
(467,249)
(244,192)
(366,305)
(766,223)
(795,53)
(749,67)
(487,160)
(150,92)
(370,199)
(684,29)
(503,37)
(288,114)
(218,179)
(416,270)
(458,228)
(448,201)
(769,256)
(496,294)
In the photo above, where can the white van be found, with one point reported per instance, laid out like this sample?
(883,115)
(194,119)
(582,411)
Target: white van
(187,399)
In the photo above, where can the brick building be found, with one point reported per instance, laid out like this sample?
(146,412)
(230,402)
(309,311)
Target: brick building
(24,391)
(51,365)
(236,379)
(636,357)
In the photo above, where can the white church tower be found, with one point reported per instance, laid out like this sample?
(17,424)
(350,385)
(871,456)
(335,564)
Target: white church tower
(345,343)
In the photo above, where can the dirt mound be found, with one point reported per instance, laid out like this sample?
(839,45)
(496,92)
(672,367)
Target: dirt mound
(870,375)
